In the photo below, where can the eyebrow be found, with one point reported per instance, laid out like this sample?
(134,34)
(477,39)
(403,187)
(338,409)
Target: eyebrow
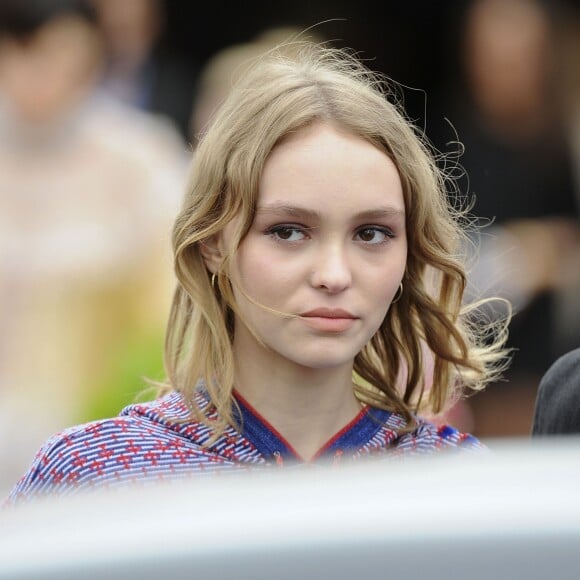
(302,212)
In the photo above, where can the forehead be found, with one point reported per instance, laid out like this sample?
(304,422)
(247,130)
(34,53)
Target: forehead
(325,167)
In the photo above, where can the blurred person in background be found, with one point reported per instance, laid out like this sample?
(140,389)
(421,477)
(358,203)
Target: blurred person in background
(88,189)
(139,69)
(518,164)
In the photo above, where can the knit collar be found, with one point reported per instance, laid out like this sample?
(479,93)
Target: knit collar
(273,446)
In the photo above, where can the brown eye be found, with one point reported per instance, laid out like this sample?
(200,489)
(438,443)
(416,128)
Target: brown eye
(367,235)
(287,233)
(373,235)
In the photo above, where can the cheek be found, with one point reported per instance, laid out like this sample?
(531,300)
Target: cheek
(264,274)
(385,282)
(385,289)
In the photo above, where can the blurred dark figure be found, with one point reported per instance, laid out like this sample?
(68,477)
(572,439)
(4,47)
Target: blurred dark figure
(519,168)
(558,404)
(140,70)
(568,42)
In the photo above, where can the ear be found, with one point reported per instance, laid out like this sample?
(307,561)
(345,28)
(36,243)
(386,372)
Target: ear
(211,252)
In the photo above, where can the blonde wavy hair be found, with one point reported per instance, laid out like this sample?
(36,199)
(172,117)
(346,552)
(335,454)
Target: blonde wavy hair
(277,96)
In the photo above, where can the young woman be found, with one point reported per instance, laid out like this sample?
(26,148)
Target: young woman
(319,298)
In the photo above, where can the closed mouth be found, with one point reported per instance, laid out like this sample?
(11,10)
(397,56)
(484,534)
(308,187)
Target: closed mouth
(330,313)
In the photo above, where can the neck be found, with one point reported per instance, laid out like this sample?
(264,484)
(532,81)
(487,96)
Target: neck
(307,406)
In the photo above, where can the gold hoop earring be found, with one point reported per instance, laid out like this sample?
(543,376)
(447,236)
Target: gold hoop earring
(398,295)
(213,276)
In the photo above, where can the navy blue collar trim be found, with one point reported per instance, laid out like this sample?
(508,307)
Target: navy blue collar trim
(272,445)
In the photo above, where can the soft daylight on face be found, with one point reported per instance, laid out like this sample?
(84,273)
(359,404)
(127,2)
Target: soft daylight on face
(328,245)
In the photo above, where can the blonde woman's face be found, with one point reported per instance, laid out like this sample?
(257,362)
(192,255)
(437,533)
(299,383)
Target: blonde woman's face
(328,245)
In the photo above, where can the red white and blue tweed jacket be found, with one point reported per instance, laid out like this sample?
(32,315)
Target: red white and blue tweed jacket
(158,440)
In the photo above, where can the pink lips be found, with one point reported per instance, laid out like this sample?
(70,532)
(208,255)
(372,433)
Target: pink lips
(329,319)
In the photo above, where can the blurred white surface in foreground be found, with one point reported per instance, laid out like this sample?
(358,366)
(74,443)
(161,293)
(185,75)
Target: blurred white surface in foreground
(514,513)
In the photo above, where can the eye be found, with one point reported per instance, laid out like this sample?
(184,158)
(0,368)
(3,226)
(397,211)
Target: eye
(374,234)
(287,233)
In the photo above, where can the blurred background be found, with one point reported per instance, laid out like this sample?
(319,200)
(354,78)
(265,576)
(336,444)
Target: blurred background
(102,103)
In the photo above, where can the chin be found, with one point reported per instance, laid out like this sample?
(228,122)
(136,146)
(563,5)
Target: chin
(322,361)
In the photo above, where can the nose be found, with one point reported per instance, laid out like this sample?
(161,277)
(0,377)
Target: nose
(332,270)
